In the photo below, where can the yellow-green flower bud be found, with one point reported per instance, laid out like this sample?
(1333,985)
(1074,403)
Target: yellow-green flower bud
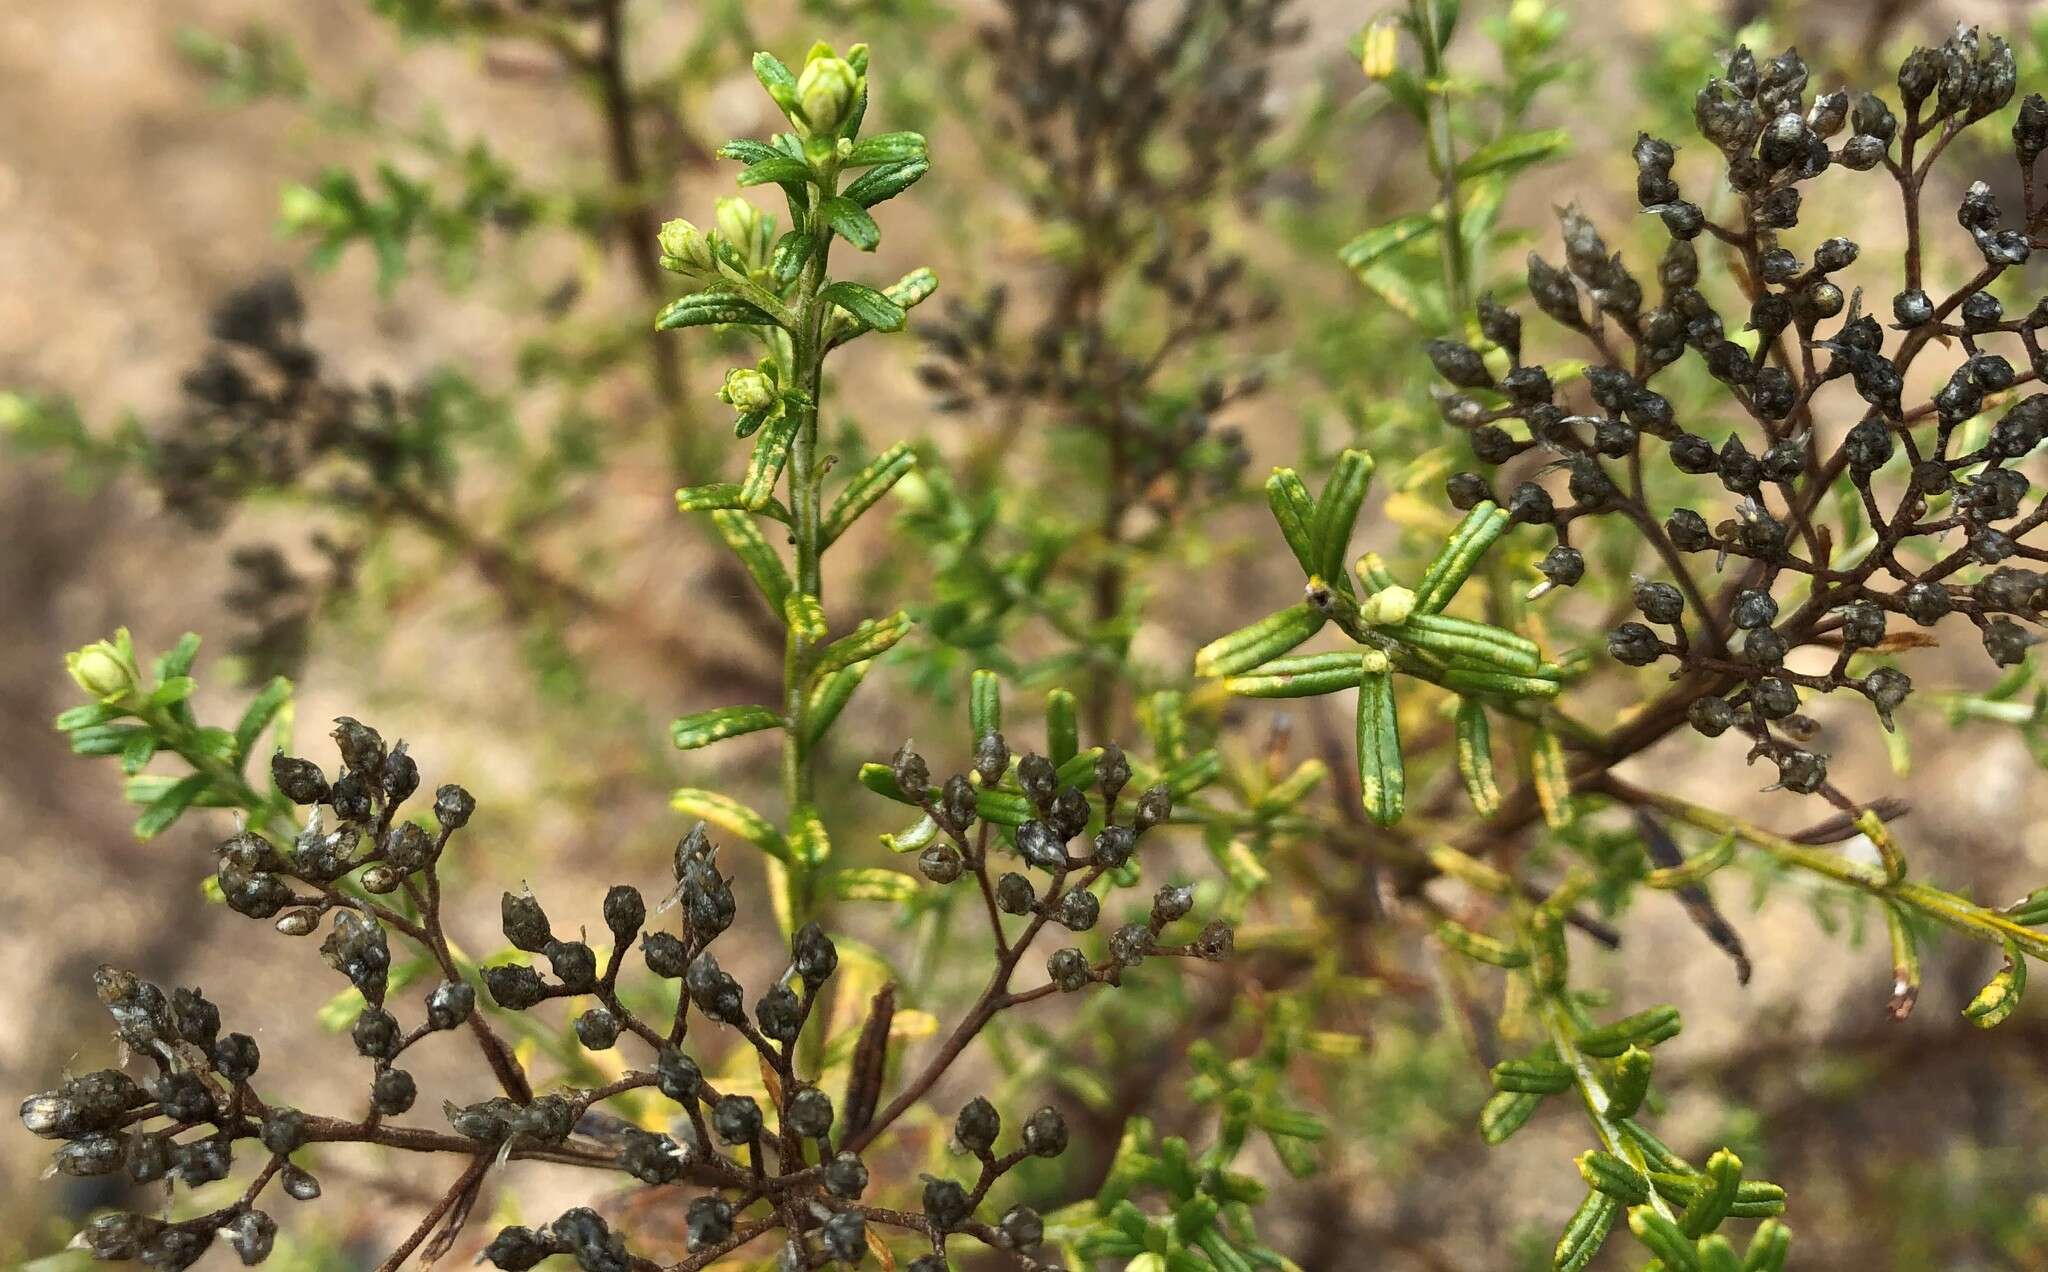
(750,230)
(684,249)
(826,90)
(1388,607)
(101,671)
(1380,50)
(747,390)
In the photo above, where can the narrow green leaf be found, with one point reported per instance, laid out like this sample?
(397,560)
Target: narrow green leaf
(1475,757)
(808,842)
(705,727)
(105,739)
(792,252)
(1505,1113)
(1002,808)
(1644,1029)
(1382,782)
(870,884)
(1549,957)
(1717,1193)
(1062,727)
(873,638)
(1193,773)
(805,616)
(141,749)
(1665,1240)
(1695,868)
(708,308)
(92,713)
(1628,1083)
(1754,1198)
(781,85)
(1905,959)
(1586,1232)
(892,147)
(1769,1247)
(1480,947)
(1337,512)
(1373,572)
(916,839)
(1478,646)
(878,185)
(881,779)
(729,814)
(1260,642)
(1295,512)
(1533,1075)
(764,468)
(747,150)
(1482,526)
(985,703)
(1515,151)
(173,690)
(867,487)
(867,305)
(913,289)
(850,221)
(828,697)
(725,495)
(178,659)
(777,168)
(763,566)
(262,709)
(1377,242)
(1495,684)
(1552,779)
(1655,1151)
(2000,997)
(1298,676)
(169,806)
(1606,1173)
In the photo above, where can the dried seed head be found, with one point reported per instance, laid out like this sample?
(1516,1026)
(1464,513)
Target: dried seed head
(1068,969)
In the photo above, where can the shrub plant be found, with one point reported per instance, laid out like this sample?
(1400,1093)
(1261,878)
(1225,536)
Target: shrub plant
(1738,480)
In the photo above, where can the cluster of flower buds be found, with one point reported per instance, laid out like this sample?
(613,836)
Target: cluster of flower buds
(112,1124)
(1039,810)
(727,1140)
(744,238)
(177,1128)
(365,840)
(262,411)
(1887,473)
(1090,101)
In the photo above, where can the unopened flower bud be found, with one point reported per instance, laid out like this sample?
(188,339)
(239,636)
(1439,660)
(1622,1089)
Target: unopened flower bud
(101,671)
(1388,607)
(684,249)
(826,91)
(747,390)
(750,230)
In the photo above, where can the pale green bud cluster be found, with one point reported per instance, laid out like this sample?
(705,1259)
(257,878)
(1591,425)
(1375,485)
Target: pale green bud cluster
(1388,607)
(749,230)
(826,90)
(105,669)
(685,249)
(747,389)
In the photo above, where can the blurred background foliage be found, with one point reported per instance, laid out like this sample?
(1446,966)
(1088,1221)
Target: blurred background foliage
(328,338)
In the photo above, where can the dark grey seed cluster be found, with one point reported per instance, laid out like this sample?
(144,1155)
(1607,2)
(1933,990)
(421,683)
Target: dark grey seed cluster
(368,875)
(1844,505)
